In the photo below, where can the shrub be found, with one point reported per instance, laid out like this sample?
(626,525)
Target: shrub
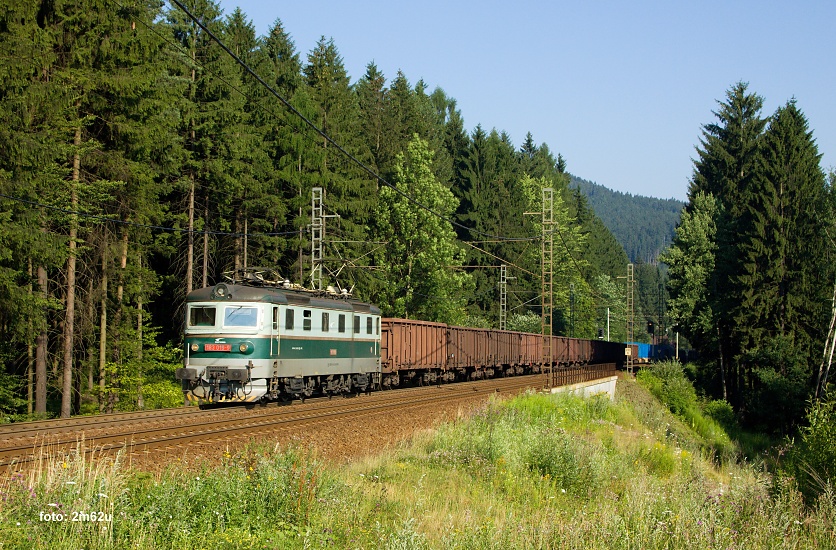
(721,411)
(813,458)
(554,455)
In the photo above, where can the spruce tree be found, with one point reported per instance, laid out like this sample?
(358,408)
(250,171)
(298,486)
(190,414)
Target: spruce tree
(725,168)
(350,190)
(786,263)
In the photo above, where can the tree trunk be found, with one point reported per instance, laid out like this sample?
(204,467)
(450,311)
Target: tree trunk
(30,350)
(237,259)
(829,343)
(116,381)
(69,327)
(41,344)
(140,399)
(91,314)
(722,367)
(206,244)
(190,251)
(104,392)
(301,236)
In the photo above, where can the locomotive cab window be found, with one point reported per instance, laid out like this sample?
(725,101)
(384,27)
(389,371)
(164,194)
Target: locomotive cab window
(378,326)
(368,325)
(240,316)
(356,324)
(324,321)
(201,316)
(275,318)
(306,319)
(341,324)
(288,319)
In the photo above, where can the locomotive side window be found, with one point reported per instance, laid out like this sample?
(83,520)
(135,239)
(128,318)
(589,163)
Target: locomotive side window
(288,319)
(324,321)
(240,316)
(356,324)
(341,324)
(306,319)
(378,326)
(368,325)
(200,316)
(275,318)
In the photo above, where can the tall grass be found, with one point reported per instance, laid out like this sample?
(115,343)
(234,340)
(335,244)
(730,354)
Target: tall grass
(537,471)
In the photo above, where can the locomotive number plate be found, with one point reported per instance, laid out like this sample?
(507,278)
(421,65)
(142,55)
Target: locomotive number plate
(217,347)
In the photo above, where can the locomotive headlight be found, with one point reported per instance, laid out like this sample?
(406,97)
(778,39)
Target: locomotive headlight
(195,347)
(243,348)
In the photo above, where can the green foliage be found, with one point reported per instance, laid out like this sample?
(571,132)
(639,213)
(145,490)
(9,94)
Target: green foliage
(667,382)
(691,260)
(812,459)
(749,258)
(722,412)
(421,246)
(525,322)
(780,385)
(10,402)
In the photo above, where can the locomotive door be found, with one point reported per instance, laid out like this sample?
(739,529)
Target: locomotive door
(274,333)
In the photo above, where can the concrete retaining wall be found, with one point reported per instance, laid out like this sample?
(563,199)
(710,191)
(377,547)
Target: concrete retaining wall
(593,387)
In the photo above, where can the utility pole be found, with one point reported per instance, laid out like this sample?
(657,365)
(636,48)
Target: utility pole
(660,323)
(317,235)
(547,227)
(503,297)
(630,309)
(548,280)
(608,323)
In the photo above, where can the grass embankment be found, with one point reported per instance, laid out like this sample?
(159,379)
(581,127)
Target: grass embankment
(533,472)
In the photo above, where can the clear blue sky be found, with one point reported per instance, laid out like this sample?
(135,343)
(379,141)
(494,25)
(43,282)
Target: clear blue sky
(620,89)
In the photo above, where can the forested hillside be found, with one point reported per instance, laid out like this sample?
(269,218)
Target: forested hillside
(643,225)
(139,160)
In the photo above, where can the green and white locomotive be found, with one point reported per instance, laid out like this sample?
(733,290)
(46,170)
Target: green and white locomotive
(252,340)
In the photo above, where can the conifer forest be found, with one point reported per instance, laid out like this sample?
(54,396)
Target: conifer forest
(140,160)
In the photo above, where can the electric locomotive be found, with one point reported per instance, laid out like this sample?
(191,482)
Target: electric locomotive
(260,338)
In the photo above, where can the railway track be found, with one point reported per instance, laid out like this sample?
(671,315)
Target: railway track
(146,433)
